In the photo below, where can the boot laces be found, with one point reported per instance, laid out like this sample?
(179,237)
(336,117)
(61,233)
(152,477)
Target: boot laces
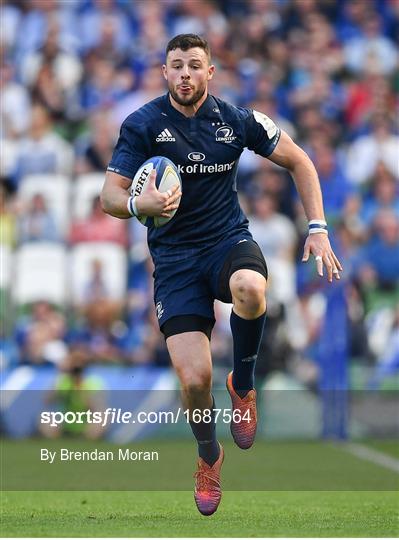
(206,480)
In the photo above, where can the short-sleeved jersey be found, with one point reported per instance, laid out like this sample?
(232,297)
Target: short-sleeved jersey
(206,149)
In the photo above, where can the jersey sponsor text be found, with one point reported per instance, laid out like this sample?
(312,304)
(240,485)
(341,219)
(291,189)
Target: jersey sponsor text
(201,168)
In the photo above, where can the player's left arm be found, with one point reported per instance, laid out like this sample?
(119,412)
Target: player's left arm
(289,155)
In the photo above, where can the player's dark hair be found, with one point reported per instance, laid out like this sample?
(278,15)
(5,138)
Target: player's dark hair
(188,41)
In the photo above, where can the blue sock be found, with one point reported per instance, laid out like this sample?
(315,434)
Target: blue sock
(205,433)
(247,335)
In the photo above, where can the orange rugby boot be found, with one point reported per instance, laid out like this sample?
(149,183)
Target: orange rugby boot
(243,428)
(207,493)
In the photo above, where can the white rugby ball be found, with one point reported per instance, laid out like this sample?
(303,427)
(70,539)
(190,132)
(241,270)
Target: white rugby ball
(167,177)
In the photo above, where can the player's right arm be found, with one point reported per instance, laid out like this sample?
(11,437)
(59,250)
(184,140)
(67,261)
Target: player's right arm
(115,195)
(129,154)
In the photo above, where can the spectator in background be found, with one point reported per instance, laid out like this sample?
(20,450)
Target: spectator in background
(222,343)
(322,92)
(254,44)
(322,43)
(380,261)
(107,44)
(8,230)
(9,353)
(43,151)
(37,16)
(64,69)
(104,85)
(350,19)
(371,49)
(383,194)
(15,103)
(368,94)
(37,223)
(140,293)
(107,14)
(47,90)
(151,85)
(15,110)
(96,288)
(98,227)
(8,164)
(11,19)
(152,34)
(277,238)
(310,121)
(227,86)
(348,247)
(337,191)
(151,349)
(366,152)
(275,181)
(75,391)
(388,359)
(40,335)
(94,148)
(101,335)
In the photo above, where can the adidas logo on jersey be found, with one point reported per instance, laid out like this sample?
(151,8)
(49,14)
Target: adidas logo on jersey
(165,136)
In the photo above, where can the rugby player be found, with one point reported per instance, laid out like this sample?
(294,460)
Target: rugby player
(206,251)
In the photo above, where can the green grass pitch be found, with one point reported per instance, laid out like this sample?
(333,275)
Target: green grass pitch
(172,514)
(300,513)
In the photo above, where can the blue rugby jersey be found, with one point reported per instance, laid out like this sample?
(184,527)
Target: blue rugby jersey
(206,149)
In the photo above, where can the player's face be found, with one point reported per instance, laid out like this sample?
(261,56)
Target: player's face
(187,74)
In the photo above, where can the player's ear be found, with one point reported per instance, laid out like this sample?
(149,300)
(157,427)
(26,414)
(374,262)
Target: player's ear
(164,72)
(211,71)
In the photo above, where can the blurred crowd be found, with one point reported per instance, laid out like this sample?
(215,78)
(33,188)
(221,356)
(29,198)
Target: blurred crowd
(327,71)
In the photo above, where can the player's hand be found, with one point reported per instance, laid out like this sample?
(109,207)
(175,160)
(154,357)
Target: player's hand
(154,203)
(319,245)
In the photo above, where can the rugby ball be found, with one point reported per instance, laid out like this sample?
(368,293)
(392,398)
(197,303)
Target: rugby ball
(167,177)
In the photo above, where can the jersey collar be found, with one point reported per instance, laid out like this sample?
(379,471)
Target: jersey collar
(209,109)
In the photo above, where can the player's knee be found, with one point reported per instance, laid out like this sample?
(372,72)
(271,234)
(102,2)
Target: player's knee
(248,289)
(196,384)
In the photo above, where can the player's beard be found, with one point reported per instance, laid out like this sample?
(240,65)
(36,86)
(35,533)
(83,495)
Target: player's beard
(189,101)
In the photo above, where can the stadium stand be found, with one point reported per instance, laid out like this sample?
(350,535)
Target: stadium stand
(40,273)
(101,262)
(86,188)
(55,189)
